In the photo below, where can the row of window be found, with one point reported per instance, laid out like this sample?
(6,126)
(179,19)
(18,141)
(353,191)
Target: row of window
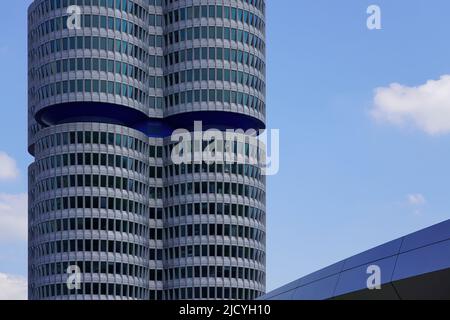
(91,159)
(175,232)
(134,249)
(126,205)
(204,208)
(96,181)
(97,43)
(214,188)
(88,86)
(127,6)
(214,12)
(133,292)
(130,185)
(57,67)
(95,137)
(214,272)
(215,33)
(59,24)
(60,268)
(153,61)
(66,203)
(210,293)
(95,245)
(215,168)
(258,4)
(151,193)
(125,226)
(132,143)
(211,230)
(98,224)
(96,289)
(238,144)
(226,97)
(214,53)
(213,74)
(182,14)
(155,193)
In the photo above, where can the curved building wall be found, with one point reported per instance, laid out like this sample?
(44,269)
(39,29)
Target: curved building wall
(89,191)
(105,61)
(215,58)
(104,193)
(214,230)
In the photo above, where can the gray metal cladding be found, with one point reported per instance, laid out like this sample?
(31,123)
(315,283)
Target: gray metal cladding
(215,57)
(89,207)
(103,193)
(103,61)
(414,267)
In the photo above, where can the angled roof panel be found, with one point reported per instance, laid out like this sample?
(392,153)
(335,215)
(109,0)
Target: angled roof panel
(319,290)
(356,279)
(413,263)
(384,251)
(428,259)
(436,233)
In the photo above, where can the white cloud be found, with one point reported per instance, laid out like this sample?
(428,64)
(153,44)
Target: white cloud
(13,216)
(426,106)
(8,167)
(416,199)
(13,287)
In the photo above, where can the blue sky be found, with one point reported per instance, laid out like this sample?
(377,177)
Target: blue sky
(348,181)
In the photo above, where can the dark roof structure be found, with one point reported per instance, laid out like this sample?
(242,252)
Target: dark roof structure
(416,266)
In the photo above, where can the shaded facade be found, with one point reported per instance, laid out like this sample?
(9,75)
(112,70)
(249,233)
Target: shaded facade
(104,194)
(414,267)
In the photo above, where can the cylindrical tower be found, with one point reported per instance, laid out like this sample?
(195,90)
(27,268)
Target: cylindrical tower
(89,185)
(215,63)
(89,193)
(214,213)
(94,68)
(109,81)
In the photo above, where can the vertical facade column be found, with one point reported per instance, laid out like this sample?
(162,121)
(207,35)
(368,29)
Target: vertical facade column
(105,96)
(214,213)
(89,191)
(89,185)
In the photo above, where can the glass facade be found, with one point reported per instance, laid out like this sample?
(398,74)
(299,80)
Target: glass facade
(104,193)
